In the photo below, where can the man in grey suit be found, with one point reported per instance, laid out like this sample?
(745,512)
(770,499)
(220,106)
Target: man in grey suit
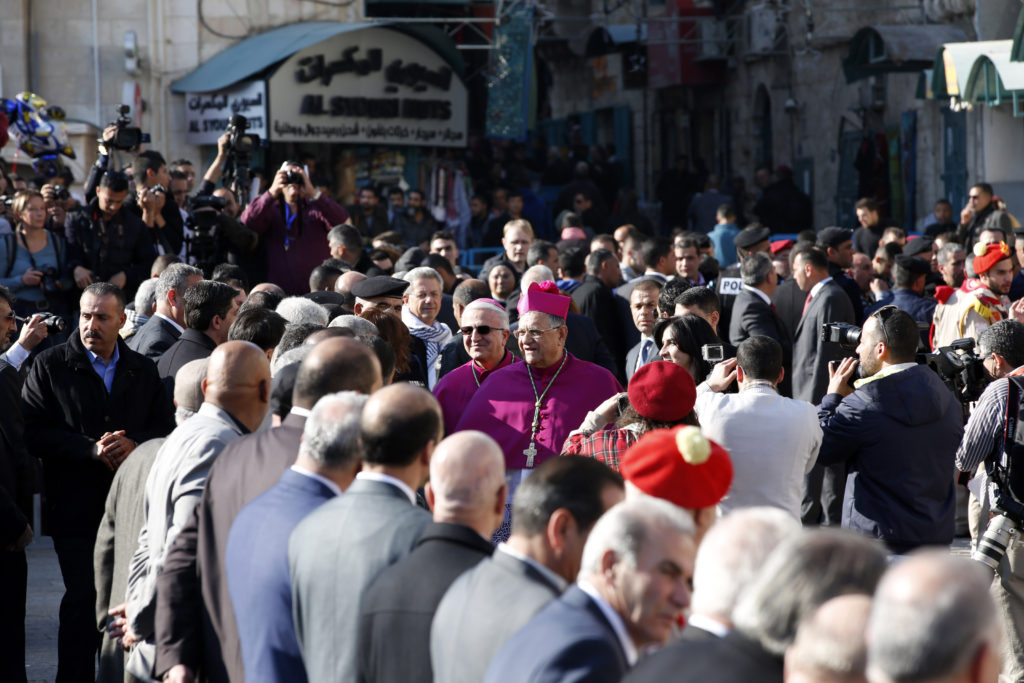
(826,302)
(340,548)
(167,324)
(236,394)
(643,307)
(754,314)
(552,514)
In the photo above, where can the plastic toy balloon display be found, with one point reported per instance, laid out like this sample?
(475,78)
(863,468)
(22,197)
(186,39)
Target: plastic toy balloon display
(38,130)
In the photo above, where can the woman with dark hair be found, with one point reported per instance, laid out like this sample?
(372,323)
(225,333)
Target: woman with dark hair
(660,395)
(396,334)
(680,340)
(502,279)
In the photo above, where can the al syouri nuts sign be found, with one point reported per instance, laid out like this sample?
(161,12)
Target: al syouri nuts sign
(374,86)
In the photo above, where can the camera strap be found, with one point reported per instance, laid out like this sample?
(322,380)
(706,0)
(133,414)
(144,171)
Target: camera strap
(51,237)
(1009,477)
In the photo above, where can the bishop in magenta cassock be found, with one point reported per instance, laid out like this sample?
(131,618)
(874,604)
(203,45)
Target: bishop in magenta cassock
(530,408)
(484,334)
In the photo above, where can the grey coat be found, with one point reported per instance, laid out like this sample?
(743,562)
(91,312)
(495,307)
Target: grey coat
(810,356)
(333,556)
(483,609)
(116,541)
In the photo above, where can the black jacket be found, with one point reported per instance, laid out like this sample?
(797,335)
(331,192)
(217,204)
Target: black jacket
(597,302)
(191,345)
(397,610)
(752,317)
(851,288)
(719,660)
(154,338)
(122,245)
(67,408)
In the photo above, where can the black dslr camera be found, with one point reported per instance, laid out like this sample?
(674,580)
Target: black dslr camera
(241,142)
(844,334)
(54,323)
(127,137)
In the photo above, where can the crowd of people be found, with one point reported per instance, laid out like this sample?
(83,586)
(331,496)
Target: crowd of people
(292,441)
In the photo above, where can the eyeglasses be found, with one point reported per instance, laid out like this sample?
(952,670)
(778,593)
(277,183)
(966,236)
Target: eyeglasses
(535,335)
(9,316)
(883,314)
(482,330)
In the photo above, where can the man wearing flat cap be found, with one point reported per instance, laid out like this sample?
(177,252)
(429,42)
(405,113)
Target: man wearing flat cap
(752,239)
(837,243)
(979,301)
(381,292)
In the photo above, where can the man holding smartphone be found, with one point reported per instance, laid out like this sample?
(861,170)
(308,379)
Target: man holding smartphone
(294,219)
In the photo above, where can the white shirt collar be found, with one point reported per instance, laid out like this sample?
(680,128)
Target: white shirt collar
(614,619)
(388,479)
(817,288)
(319,477)
(179,328)
(708,624)
(547,573)
(301,412)
(764,297)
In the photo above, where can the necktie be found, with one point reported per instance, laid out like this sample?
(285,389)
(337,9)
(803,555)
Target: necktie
(645,351)
(807,303)
(774,310)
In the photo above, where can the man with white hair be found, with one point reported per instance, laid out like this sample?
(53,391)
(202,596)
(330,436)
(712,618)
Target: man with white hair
(831,645)
(632,588)
(421,304)
(300,310)
(257,548)
(145,306)
(731,553)
(933,619)
(484,333)
(466,492)
(168,323)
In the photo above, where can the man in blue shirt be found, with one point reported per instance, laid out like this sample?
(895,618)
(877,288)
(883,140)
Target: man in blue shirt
(723,235)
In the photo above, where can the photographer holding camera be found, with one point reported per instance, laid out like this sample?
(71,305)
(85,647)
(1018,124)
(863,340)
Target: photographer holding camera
(294,219)
(898,431)
(34,259)
(106,241)
(991,437)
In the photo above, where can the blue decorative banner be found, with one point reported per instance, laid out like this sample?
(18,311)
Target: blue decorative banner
(508,92)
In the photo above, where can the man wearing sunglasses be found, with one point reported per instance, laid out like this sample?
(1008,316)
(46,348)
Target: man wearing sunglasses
(981,213)
(484,334)
(898,432)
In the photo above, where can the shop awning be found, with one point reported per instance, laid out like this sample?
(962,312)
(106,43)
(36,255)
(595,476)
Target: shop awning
(888,49)
(1017,54)
(252,55)
(606,39)
(953,65)
(994,79)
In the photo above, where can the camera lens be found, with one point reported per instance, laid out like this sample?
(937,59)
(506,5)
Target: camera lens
(992,546)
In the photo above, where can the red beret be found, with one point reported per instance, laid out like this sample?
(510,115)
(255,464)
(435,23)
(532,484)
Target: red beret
(656,465)
(780,245)
(987,255)
(662,391)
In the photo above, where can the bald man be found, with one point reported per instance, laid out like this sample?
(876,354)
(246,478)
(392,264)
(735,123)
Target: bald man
(467,495)
(191,589)
(343,286)
(338,550)
(236,395)
(831,645)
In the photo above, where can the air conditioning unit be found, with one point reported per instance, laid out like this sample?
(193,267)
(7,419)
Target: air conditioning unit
(713,39)
(762,25)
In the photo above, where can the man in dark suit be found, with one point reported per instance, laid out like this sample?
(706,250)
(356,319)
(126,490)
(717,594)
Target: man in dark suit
(88,403)
(643,305)
(553,511)
(467,495)
(596,629)
(339,549)
(168,323)
(16,478)
(257,549)
(825,302)
(195,623)
(210,308)
(754,314)
(837,243)
(596,300)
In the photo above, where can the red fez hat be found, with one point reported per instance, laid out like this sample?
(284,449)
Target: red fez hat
(679,465)
(544,297)
(662,391)
(987,255)
(780,245)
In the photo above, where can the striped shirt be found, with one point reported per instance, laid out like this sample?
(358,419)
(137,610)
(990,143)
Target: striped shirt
(983,435)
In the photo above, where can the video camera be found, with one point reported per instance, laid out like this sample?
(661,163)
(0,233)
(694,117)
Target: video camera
(127,137)
(241,142)
(240,148)
(962,370)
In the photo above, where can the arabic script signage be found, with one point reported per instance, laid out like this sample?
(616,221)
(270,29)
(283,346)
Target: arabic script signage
(207,114)
(369,86)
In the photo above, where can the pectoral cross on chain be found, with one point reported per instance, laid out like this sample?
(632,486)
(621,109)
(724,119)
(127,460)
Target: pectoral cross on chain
(531,452)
